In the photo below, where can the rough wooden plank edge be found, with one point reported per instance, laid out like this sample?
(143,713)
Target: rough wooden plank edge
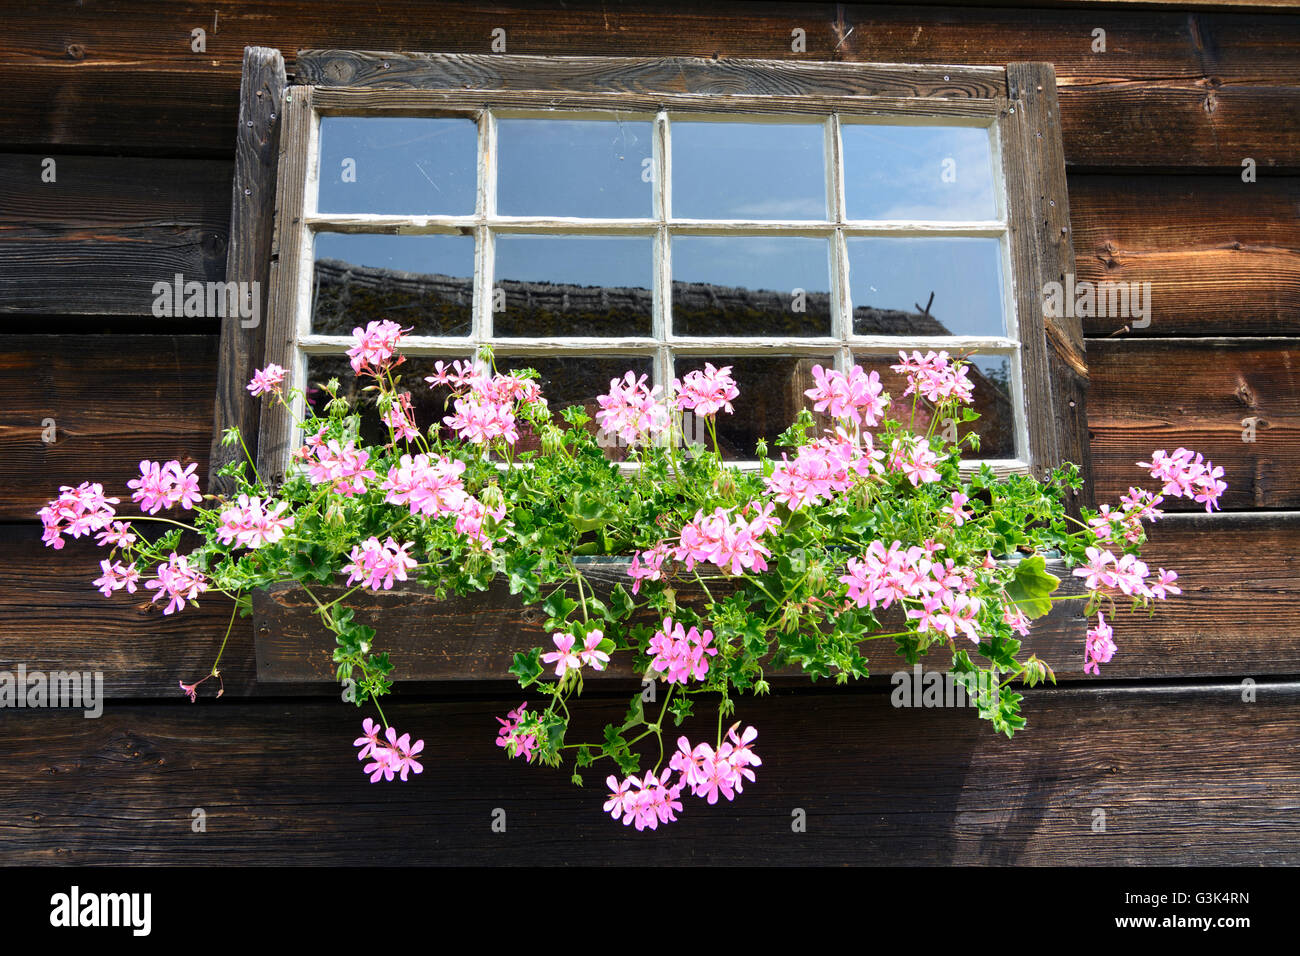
(276,425)
(465,102)
(248,257)
(1055,356)
(474,638)
(675,74)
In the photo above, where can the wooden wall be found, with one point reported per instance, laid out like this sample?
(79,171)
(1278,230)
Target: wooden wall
(142,132)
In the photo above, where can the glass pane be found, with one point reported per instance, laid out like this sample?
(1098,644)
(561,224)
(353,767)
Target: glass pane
(751,285)
(771,394)
(398,165)
(748,170)
(595,169)
(892,282)
(917,172)
(576,380)
(425,283)
(991,376)
(553,286)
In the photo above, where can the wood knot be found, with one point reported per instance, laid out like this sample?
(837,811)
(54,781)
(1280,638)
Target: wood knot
(76,51)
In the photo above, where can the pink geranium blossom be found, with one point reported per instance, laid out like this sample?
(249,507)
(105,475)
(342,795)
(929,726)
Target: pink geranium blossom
(935,377)
(374,348)
(632,410)
(855,397)
(379,565)
(267,381)
(342,466)
(164,485)
(1187,474)
(177,581)
(251,523)
(426,485)
(706,391)
(516,744)
(117,576)
(1100,647)
(563,657)
(76,512)
(681,655)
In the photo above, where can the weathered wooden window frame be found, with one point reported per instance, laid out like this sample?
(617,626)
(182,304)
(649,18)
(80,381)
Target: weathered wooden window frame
(1018,104)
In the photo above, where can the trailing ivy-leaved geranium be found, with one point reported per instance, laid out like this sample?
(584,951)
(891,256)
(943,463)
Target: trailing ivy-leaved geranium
(866,530)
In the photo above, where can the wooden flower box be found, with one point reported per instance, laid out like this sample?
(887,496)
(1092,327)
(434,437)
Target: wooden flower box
(474,638)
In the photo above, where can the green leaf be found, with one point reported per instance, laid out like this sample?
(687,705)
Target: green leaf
(1032,586)
(527,667)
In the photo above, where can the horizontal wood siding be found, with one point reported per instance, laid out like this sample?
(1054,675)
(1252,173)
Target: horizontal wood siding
(1183,775)
(142,132)
(1173,89)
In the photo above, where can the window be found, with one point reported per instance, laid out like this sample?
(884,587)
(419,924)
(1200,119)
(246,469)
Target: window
(586,216)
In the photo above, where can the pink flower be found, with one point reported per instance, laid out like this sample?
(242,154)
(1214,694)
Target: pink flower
(729,543)
(515,743)
(116,577)
(76,512)
(390,755)
(378,565)
(563,657)
(161,486)
(481,420)
(1187,474)
(914,458)
(955,511)
(374,348)
(705,391)
(854,397)
(1100,648)
(400,417)
(645,801)
(343,466)
(679,654)
(178,581)
(250,524)
(427,486)
(267,381)
(821,470)
(619,795)
(934,377)
(647,565)
(383,763)
(1164,585)
(190,690)
(369,740)
(403,753)
(632,410)
(1097,570)
(591,654)
(1016,618)
(470,518)
(118,534)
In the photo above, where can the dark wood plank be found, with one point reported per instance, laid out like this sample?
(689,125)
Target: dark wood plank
(97,238)
(252,222)
(1222,255)
(1196,393)
(1172,768)
(651,75)
(1173,89)
(114,400)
